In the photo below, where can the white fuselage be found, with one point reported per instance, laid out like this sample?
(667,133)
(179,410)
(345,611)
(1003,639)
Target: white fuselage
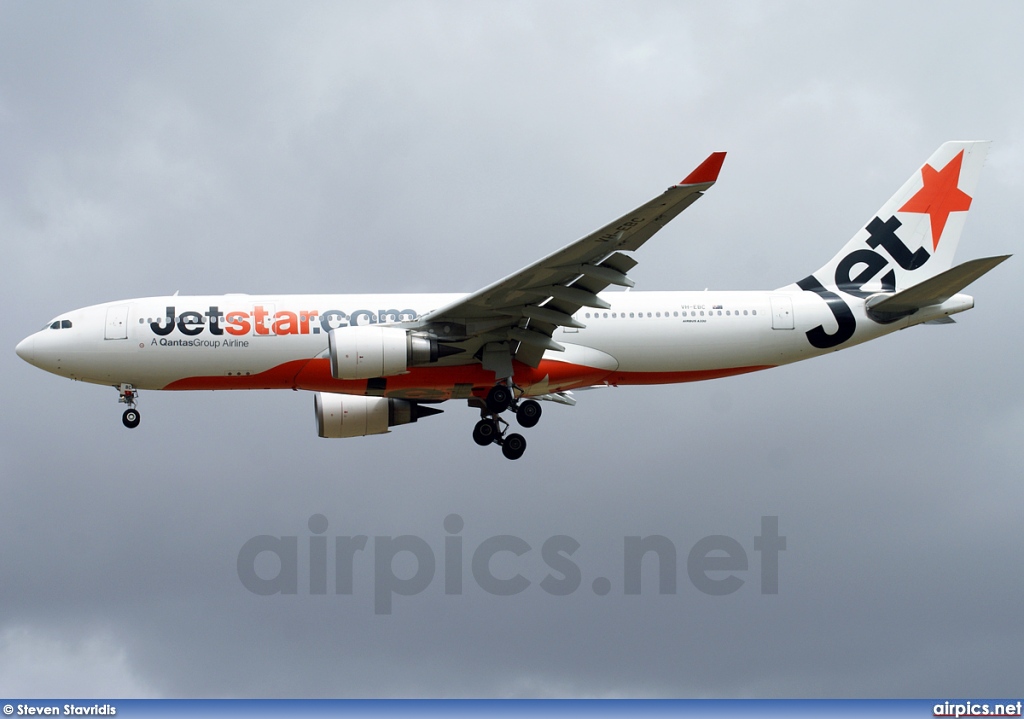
(281,341)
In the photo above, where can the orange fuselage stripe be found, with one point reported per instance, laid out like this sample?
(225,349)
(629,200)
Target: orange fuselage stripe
(441,382)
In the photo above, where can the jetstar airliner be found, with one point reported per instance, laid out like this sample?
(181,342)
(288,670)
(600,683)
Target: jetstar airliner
(376,361)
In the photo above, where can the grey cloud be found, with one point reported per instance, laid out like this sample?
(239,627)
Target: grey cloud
(437,147)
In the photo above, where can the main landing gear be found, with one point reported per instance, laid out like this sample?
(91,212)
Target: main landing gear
(492,429)
(131,416)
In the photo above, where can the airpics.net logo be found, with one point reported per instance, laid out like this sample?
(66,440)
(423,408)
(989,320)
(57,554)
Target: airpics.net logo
(500,565)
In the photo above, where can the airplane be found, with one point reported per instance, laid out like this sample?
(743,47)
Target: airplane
(378,361)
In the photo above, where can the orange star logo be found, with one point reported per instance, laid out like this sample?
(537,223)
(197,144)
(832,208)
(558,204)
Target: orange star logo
(940,196)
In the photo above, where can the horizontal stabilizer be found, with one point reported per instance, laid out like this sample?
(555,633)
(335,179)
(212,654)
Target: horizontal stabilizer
(932,291)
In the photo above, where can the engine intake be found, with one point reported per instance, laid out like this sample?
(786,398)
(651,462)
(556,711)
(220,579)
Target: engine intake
(348,415)
(373,351)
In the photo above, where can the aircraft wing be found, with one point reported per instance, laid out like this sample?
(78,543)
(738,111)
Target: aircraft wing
(525,308)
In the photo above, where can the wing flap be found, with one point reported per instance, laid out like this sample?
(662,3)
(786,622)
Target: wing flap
(618,261)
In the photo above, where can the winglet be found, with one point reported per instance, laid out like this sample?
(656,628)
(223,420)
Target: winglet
(706,171)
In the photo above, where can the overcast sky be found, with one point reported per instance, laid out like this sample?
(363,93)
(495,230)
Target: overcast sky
(327,147)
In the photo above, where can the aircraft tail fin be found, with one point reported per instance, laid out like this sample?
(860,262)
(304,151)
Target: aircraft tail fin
(914,235)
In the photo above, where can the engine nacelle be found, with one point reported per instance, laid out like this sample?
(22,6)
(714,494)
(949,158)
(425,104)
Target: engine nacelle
(348,415)
(371,351)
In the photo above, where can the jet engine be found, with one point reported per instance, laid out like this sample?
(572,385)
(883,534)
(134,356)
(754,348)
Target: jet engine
(348,415)
(372,351)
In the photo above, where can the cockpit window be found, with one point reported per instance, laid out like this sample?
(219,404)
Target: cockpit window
(59,325)
(55,325)
(65,324)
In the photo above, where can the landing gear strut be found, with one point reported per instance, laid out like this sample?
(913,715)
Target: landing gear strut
(131,416)
(492,429)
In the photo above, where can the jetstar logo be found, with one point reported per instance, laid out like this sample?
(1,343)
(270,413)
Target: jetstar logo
(262,320)
(939,196)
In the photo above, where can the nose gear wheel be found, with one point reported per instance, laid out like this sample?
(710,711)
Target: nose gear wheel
(127,395)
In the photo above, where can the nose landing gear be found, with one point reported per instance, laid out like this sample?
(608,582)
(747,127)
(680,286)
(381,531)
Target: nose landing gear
(131,416)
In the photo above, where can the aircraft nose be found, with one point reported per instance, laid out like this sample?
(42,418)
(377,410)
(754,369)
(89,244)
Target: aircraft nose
(25,349)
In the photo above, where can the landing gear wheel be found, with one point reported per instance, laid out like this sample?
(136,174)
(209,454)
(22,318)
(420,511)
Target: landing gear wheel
(499,398)
(131,418)
(528,414)
(513,446)
(486,432)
